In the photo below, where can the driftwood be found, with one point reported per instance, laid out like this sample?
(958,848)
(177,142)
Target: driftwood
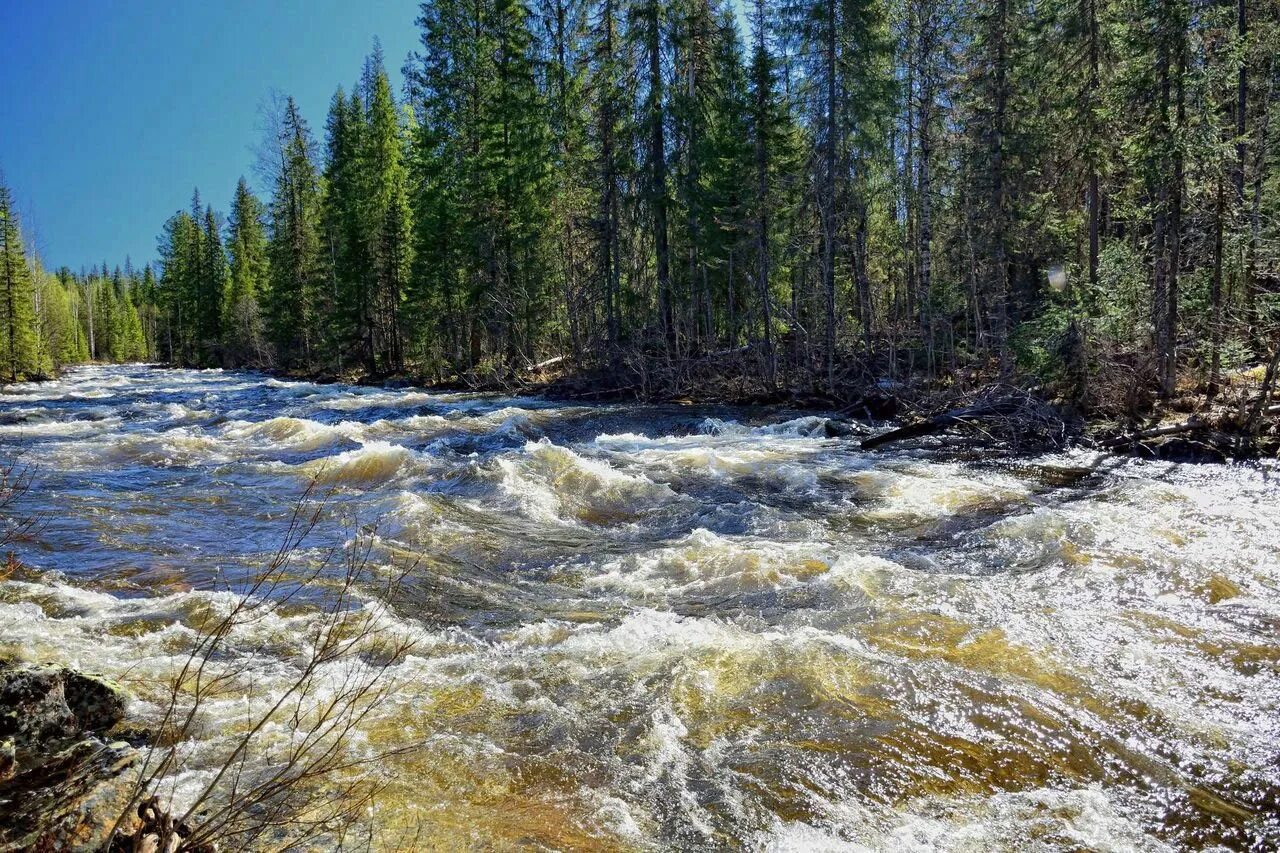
(1195,423)
(543,365)
(1000,413)
(932,425)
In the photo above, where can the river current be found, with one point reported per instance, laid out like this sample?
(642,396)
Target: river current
(671,628)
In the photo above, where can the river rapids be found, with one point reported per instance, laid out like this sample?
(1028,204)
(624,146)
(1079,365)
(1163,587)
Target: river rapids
(655,628)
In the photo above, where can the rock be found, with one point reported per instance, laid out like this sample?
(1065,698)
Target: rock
(843,428)
(41,706)
(61,786)
(72,801)
(1180,449)
(97,704)
(8,760)
(33,707)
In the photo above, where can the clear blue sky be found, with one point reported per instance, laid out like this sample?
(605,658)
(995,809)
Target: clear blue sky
(112,111)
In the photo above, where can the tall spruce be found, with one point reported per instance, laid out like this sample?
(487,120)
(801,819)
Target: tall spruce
(17,298)
(244,333)
(294,250)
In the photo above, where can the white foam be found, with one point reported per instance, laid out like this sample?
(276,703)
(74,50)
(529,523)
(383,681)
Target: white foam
(552,483)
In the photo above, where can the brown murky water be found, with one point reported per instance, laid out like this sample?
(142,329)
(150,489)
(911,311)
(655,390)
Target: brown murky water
(656,628)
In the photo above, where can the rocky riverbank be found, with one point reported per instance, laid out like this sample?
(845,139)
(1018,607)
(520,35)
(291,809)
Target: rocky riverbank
(71,771)
(65,778)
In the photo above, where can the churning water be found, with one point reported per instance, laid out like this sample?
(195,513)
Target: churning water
(660,628)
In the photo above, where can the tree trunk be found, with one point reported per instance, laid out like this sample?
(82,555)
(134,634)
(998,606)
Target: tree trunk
(1094,200)
(999,261)
(1255,216)
(609,195)
(1242,101)
(829,200)
(924,231)
(762,196)
(1175,227)
(658,177)
(1215,292)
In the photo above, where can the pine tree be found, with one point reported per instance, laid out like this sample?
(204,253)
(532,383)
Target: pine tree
(647,24)
(565,48)
(388,223)
(248,275)
(17,320)
(115,305)
(180,265)
(607,80)
(347,262)
(148,312)
(211,291)
(297,273)
(482,156)
(57,322)
(445,87)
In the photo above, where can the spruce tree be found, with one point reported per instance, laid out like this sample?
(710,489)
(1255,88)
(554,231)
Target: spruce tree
(211,291)
(297,273)
(180,265)
(17,318)
(248,275)
(387,220)
(349,319)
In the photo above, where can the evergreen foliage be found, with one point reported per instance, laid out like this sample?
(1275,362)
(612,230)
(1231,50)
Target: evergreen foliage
(19,352)
(829,191)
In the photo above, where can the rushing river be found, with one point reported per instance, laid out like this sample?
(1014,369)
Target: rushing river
(665,628)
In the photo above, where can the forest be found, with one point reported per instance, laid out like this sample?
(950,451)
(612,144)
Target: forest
(796,196)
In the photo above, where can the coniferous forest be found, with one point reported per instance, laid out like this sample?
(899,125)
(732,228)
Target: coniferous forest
(809,195)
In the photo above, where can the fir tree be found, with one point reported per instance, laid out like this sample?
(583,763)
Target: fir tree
(210,291)
(388,221)
(297,274)
(248,276)
(17,316)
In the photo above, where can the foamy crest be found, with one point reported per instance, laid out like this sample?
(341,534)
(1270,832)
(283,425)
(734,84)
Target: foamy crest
(706,563)
(552,483)
(294,433)
(375,462)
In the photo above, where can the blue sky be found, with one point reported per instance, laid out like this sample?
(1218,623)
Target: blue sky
(112,111)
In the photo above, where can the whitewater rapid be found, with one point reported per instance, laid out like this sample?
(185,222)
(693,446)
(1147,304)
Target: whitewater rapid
(667,628)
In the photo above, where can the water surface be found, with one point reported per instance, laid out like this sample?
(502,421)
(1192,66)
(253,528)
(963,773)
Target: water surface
(665,627)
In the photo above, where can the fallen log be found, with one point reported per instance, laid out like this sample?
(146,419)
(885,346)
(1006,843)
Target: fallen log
(1192,424)
(940,422)
(543,365)
(1195,423)
(1001,414)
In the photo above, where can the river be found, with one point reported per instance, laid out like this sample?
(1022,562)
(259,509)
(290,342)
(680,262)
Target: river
(668,627)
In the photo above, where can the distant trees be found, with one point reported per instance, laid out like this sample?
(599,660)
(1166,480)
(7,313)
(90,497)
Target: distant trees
(862,189)
(48,320)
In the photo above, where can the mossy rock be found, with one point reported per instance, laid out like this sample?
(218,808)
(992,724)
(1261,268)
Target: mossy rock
(42,706)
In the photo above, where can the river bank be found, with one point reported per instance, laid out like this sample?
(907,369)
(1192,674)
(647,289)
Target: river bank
(1236,419)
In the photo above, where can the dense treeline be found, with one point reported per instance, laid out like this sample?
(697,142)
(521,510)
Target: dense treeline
(48,320)
(809,194)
